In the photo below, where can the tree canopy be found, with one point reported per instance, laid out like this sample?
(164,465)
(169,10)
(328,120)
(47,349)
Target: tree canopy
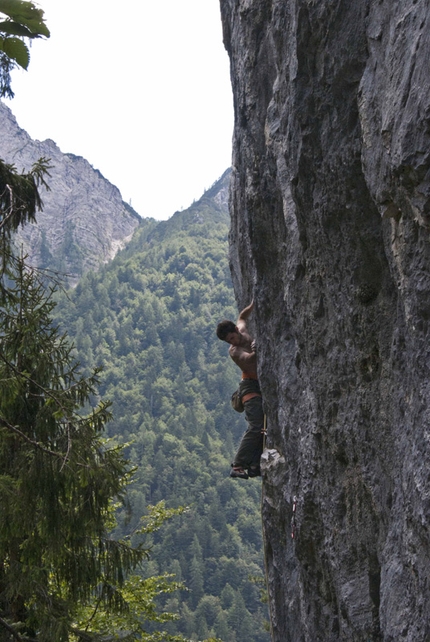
(21,21)
(61,570)
(64,576)
(149,319)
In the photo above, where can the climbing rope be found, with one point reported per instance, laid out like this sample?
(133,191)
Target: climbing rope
(293,533)
(266,572)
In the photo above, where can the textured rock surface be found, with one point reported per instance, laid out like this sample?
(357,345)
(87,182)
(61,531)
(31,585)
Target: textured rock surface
(330,234)
(84,220)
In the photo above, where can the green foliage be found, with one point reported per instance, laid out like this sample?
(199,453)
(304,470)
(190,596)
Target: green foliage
(16,50)
(61,571)
(21,20)
(58,478)
(63,576)
(138,594)
(148,318)
(19,198)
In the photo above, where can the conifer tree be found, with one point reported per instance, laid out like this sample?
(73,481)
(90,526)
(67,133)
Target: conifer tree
(60,570)
(62,575)
(57,478)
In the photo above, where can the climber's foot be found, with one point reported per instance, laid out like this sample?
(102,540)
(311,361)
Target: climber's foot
(254,471)
(238,472)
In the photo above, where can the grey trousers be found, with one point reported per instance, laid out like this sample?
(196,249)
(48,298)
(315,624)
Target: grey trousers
(251,446)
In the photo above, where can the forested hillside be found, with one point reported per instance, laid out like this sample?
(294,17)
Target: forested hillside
(149,318)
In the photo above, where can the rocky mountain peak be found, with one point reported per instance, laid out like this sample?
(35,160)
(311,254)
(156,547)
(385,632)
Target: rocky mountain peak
(84,221)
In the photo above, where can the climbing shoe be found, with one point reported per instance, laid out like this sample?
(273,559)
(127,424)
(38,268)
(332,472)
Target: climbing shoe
(238,472)
(254,471)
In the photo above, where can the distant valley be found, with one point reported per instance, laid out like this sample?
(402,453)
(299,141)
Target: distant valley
(144,304)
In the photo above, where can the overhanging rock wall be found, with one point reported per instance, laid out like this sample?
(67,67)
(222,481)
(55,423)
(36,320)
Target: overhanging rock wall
(330,234)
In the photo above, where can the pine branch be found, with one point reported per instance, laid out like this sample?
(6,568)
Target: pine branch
(44,390)
(6,424)
(14,634)
(10,213)
(94,613)
(53,397)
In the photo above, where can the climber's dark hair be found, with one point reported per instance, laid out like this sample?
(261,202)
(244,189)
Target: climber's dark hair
(224,328)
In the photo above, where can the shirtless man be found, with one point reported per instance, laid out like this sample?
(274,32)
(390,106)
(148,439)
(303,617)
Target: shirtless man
(242,351)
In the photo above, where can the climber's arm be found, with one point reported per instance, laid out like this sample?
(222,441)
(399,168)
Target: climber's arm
(243,315)
(247,361)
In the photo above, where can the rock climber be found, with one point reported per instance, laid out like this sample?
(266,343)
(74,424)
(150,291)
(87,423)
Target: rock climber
(243,352)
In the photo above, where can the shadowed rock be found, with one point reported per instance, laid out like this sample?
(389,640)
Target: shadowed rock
(330,233)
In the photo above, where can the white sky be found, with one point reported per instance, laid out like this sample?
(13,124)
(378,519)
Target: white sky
(140,88)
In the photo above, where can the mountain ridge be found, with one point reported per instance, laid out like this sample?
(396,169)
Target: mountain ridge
(68,236)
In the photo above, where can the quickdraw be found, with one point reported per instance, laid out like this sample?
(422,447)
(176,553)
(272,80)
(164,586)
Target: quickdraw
(264,432)
(293,518)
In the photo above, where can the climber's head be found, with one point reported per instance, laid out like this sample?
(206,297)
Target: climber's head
(225,329)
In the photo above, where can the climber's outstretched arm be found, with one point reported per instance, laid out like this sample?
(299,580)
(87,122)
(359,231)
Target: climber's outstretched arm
(243,315)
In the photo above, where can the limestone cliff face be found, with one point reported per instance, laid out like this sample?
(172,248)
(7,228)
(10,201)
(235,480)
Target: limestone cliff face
(330,233)
(84,220)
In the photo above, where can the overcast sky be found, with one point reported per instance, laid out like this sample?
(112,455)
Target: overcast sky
(140,88)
